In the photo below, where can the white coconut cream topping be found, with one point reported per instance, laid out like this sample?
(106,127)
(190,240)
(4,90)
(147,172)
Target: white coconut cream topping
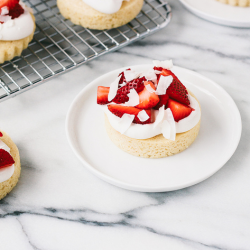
(18,28)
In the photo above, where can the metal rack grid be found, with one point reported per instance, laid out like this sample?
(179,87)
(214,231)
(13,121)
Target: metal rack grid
(59,45)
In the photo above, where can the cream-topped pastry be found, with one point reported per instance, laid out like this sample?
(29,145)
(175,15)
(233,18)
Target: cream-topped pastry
(240,3)
(9,165)
(100,14)
(143,106)
(17,27)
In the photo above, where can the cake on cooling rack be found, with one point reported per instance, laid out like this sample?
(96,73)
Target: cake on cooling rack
(100,14)
(10,166)
(150,113)
(17,27)
(241,3)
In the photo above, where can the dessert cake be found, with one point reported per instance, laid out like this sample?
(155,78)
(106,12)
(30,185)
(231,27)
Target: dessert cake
(100,14)
(10,166)
(150,114)
(17,27)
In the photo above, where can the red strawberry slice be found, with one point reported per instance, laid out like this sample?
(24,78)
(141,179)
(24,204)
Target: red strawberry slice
(1,135)
(147,100)
(8,3)
(179,110)
(120,110)
(122,79)
(6,159)
(122,93)
(16,11)
(102,95)
(163,101)
(178,92)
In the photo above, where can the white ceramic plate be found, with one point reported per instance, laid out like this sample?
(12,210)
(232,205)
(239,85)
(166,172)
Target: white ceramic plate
(218,138)
(220,13)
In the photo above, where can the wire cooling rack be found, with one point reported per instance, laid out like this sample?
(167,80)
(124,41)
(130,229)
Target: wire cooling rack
(59,45)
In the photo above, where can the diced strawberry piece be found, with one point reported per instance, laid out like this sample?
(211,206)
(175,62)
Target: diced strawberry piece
(8,3)
(179,110)
(102,95)
(147,100)
(178,92)
(122,79)
(120,110)
(16,11)
(122,93)
(6,159)
(1,135)
(163,101)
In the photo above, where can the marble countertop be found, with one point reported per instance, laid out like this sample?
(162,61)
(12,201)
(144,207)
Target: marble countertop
(60,205)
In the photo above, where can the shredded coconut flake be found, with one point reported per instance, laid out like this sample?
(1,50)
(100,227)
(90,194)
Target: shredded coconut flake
(4,10)
(171,135)
(131,75)
(113,89)
(5,19)
(150,75)
(149,88)
(163,84)
(133,98)
(160,116)
(143,116)
(168,64)
(125,122)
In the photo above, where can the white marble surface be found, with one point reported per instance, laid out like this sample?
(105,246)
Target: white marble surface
(59,205)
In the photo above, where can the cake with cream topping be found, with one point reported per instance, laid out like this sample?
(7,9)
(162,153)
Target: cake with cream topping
(17,27)
(100,14)
(10,166)
(151,113)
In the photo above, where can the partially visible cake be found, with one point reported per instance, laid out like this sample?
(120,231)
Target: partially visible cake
(241,3)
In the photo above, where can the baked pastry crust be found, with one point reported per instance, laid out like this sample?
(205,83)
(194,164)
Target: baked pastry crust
(241,3)
(10,49)
(82,14)
(8,185)
(155,147)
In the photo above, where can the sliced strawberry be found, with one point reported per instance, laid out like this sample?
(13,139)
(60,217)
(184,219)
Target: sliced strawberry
(178,92)
(1,134)
(122,79)
(122,93)
(16,11)
(6,159)
(102,95)
(163,101)
(179,110)
(120,110)
(8,3)
(147,100)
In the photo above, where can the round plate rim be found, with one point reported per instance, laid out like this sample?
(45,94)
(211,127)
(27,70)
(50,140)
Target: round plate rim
(215,19)
(139,188)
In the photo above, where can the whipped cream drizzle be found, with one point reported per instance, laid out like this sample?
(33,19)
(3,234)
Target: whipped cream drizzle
(18,28)
(164,121)
(105,6)
(6,173)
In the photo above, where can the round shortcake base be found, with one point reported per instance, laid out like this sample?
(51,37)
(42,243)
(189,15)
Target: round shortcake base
(241,3)
(82,14)
(10,49)
(155,147)
(8,185)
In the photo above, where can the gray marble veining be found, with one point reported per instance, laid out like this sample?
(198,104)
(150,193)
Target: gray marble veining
(58,204)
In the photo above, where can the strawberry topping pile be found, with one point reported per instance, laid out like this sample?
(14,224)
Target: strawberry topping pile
(174,96)
(6,159)
(1,135)
(10,8)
